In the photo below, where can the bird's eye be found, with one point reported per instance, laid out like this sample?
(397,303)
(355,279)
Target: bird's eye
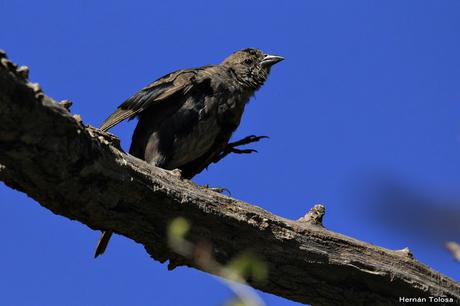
(248,61)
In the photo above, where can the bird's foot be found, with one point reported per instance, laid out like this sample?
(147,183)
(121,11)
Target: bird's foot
(216,189)
(232,147)
(246,140)
(177,173)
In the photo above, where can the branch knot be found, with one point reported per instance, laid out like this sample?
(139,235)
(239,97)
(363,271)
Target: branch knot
(314,216)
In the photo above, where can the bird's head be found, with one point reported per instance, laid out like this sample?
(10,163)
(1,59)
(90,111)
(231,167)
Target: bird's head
(251,66)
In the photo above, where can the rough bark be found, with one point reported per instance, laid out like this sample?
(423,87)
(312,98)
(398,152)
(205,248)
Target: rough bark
(74,171)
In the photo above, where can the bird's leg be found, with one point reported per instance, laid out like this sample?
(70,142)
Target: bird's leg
(231,147)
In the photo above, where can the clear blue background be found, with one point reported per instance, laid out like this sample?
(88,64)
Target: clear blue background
(363,115)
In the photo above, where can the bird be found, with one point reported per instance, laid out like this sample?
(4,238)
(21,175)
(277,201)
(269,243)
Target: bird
(186,118)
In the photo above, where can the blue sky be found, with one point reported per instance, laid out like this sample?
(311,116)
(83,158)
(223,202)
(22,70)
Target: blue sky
(363,116)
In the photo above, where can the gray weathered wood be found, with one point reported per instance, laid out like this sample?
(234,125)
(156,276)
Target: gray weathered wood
(72,170)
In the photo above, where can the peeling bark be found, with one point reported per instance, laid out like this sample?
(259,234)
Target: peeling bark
(78,172)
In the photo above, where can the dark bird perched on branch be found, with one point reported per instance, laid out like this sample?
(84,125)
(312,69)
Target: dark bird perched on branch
(187,117)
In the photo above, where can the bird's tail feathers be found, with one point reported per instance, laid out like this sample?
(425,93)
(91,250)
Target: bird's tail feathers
(102,243)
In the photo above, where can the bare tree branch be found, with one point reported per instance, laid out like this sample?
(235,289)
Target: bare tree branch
(74,171)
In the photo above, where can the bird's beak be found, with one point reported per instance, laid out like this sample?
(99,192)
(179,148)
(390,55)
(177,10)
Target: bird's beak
(270,60)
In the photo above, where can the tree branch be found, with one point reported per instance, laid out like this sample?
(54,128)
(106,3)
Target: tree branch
(74,171)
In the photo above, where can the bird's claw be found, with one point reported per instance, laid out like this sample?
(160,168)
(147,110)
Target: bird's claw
(217,189)
(231,147)
(246,151)
(246,140)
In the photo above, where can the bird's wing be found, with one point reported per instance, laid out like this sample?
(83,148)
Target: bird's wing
(178,82)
